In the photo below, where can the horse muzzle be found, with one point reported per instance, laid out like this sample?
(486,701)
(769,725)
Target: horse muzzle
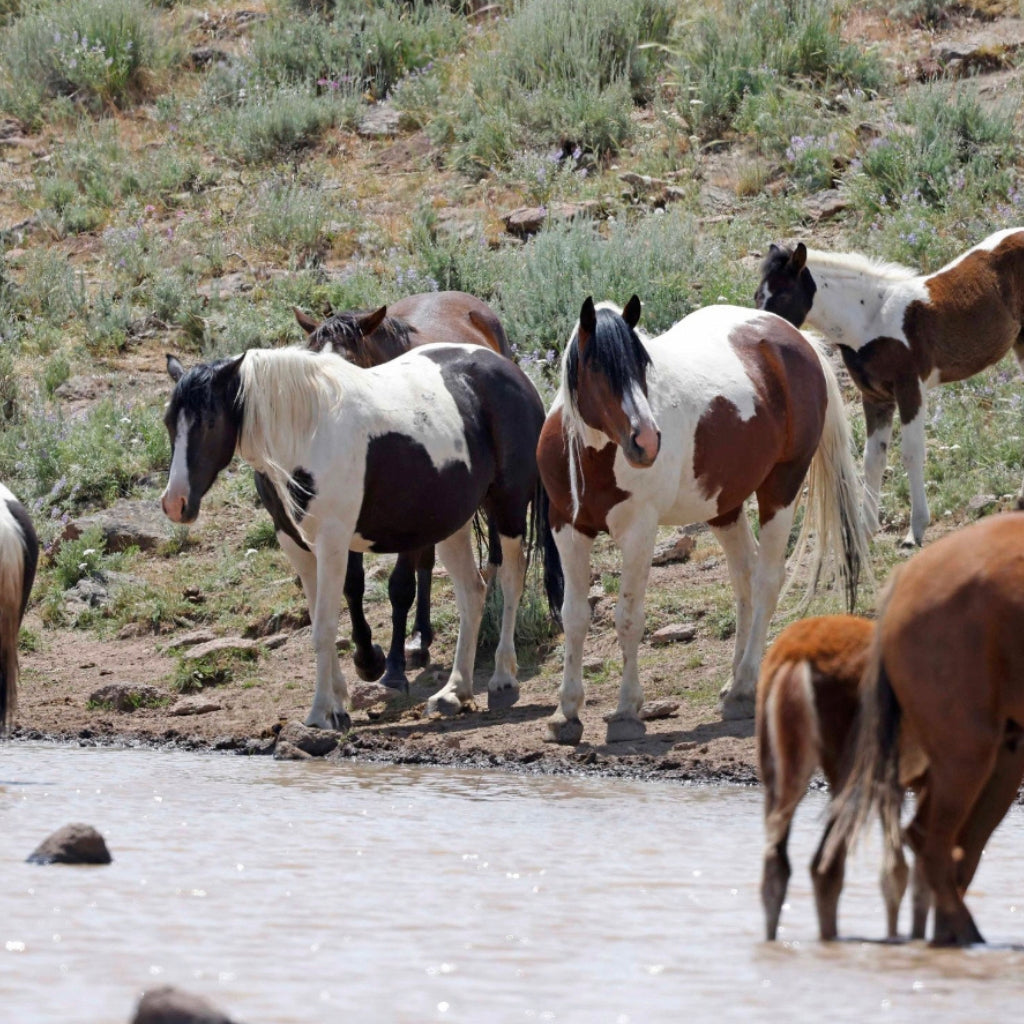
(642,447)
(178,508)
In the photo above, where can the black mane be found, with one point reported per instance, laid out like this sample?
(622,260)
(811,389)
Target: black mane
(614,350)
(342,332)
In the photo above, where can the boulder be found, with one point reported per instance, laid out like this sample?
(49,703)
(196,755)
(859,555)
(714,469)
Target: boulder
(72,844)
(127,697)
(126,524)
(315,742)
(169,1005)
(680,632)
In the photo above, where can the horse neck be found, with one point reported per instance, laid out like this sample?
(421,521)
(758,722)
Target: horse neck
(853,294)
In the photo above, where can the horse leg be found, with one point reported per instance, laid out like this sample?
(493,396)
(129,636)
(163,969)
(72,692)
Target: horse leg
(878,424)
(637,547)
(912,448)
(953,787)
(470,591)
(895,874)
(828,884)
(401,592)
(417,647)
(574,548)
(503,686)
(920,900)
(367,657)
(331,700)
(1018,353)
(737,541)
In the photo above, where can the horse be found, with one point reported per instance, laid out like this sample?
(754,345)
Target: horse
(19,556)
(370,338)
(808,700)
(901,333)
(683,428)
(392,458)
(945,676)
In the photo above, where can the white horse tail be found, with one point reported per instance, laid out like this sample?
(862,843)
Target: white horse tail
(834,514)
(19,552)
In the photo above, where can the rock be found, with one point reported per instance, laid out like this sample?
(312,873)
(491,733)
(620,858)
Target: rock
(595,664)
(127,697)
(380,119)
(826,204)
(528,220)
(86,594)
(595,595)
(235,645)
(980,502)
(203,56)
(314,742)
(365,695)
(195,706)
(169,1005)
(678,549)
(285,751)
(271,643)
(654,709)
(682,632)
(126,524)
(72,844)
(190,639)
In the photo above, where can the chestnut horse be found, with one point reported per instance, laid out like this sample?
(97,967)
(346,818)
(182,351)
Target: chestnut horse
(683,428)
(19,555)
(946,673)
(390,459)
(808,699)
(369,339)
(901,333)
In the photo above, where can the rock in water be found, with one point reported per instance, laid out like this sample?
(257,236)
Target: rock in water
(169,1005)
(72,844)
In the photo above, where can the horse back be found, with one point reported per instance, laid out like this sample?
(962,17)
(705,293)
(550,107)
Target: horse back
(454,317)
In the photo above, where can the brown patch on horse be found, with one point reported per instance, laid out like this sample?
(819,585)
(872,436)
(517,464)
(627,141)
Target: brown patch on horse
(965,329)
(597,468)
(768,454)
(887,373)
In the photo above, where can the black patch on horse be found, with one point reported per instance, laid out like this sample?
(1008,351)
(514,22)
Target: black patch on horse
(30,549)
(272,502)
(614,350)
(302,488)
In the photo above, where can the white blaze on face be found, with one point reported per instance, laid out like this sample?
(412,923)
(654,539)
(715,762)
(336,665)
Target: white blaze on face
(176,492)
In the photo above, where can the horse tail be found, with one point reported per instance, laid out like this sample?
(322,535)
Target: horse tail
(834,514)
(874,776)
(19,552)
(554,580)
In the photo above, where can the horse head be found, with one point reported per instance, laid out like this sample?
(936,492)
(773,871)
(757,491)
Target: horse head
(787,287)
(606,376)
(203,419)
(353,336)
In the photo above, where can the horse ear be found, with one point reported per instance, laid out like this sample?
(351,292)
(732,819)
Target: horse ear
(631,314)
(799,258)
(588,323)
(226,373)
(307,323)
(369,322)
(174,368)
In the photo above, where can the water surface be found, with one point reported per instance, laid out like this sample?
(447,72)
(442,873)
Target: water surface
(298,892)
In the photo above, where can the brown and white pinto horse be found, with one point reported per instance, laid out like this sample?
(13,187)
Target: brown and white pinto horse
(945,675)
(371,339)
(19,555)
(679,429)
(901,333)
(808,700)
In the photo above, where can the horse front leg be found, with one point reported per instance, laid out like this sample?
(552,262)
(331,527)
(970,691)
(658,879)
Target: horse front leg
(878,424)
(367,656)
(503,686)
(417,647)
(574,549)
(470,591)
(912,448)
(331,700)
(637,547)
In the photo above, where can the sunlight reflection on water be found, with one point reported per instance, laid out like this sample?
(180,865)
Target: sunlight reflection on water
(291,892)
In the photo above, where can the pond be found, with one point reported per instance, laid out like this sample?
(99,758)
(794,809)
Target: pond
(297,892)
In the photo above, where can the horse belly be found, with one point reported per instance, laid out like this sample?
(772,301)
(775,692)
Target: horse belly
(409,502)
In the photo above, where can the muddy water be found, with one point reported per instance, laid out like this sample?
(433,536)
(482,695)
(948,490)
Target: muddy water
(312,892)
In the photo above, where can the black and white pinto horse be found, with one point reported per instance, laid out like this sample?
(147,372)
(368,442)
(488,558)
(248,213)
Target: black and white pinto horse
(901,333)
(386,459)
(19,555)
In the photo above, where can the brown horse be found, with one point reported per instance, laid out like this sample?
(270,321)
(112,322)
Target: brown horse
(946,673)
(808,698)
(370,339)
(901,333)
(684,428)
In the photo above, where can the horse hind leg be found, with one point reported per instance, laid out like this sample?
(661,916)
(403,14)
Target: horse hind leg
(367,656)
(456,555)
(503,687)
(401,593)
(912,453)
(417,647)
(878,418)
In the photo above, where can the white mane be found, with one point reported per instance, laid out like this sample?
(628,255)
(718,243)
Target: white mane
(854,264)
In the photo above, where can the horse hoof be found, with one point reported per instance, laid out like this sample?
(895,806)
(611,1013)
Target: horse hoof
(622,729)
(498,700)
(417,653)
(566,731)
(340,721)
(371,668)
(448,705)
(735,708)
(396,681)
